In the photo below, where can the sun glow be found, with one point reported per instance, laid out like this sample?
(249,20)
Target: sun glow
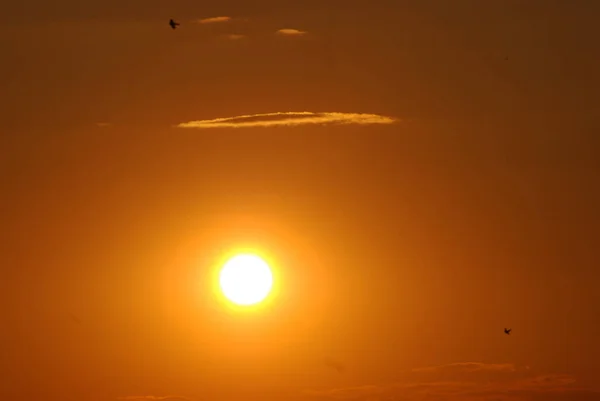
(246,279)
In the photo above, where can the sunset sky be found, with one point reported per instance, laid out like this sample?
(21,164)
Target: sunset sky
(419,174)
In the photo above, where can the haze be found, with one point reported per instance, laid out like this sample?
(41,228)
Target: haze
(433,179)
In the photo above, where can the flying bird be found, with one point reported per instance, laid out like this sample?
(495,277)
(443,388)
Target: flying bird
(338,366)
(74,318)
(173,24)
(507,331)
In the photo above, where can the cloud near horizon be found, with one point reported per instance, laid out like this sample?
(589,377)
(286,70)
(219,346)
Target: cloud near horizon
(290,32)
(467,382)
(213,20)
(154,398)
(287,119)
(470,367)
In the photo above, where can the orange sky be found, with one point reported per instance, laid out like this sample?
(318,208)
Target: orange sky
(441,185)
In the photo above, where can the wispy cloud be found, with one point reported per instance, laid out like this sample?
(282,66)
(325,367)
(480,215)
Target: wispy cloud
(213,20)
(480,384)
(290,32)
(154,398)
(282,119)
(348,393)
(469,367)
(234,36)
(103,125)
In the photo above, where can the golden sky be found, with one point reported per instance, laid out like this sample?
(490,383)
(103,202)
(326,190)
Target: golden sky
(421,174)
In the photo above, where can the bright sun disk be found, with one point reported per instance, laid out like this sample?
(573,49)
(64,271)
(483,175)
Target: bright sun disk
(246,279)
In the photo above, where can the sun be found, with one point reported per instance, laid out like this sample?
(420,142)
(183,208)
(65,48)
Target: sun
(246,279)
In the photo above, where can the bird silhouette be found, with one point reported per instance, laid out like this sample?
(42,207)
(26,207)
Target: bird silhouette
(74,318)
(173,24)
(507,331)
(338,366)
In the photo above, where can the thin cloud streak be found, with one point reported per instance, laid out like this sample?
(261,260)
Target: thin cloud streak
(234,36)
(290,32)
(348,393)
(470,367)
(154,398)
(287,119)
(472,387)
(213,20)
